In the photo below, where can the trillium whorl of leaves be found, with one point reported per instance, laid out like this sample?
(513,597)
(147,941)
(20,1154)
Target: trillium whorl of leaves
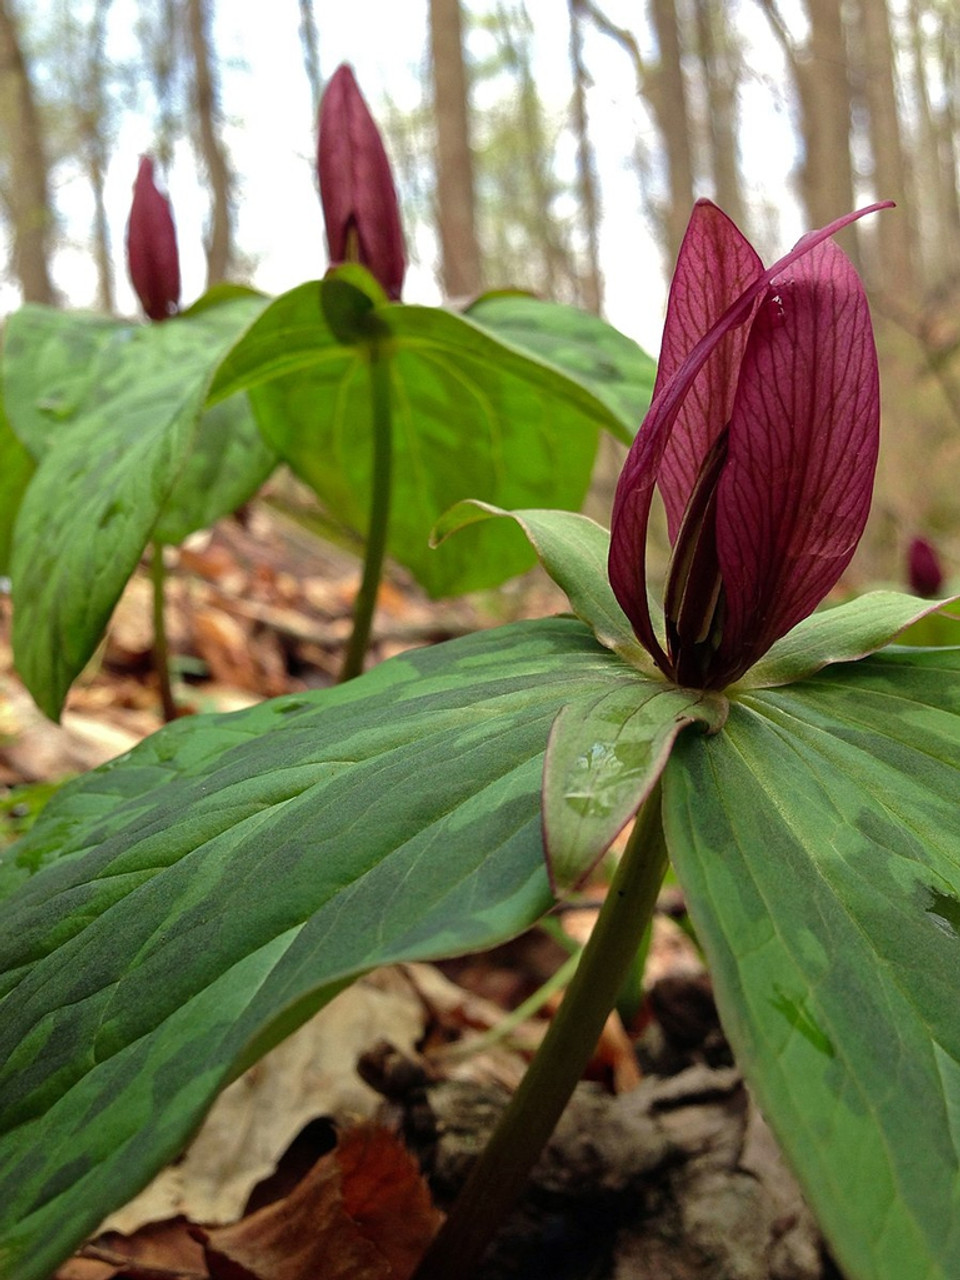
(762,436)
(152,256)
(357,191)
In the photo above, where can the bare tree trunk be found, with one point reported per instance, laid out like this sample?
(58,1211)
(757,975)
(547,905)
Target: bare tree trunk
(310,43)
(948,126)
(894,270)
(206,101)
(162,49)
(28,195)
(92,127)
(662,87)
(456,206)
(592,281)
(819,74)
(720,61)
(668,98)
(557,263)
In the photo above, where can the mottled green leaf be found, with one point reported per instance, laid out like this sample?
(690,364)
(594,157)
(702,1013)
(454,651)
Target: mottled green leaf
(50,367)
(604,755)
(613,366)
(818,843)
(16,469)
(229,461)
(841,634)
(472,418)
(573,550)
(173,915)
(114,443)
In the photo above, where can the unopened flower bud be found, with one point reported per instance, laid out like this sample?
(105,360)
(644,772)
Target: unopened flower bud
(923,568)
(152,256)
(356,186)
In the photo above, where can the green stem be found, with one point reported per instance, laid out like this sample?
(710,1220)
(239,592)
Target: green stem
(501,1171)
(161,650)
(379,513)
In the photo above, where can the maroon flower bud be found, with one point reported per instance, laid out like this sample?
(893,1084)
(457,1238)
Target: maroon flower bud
(923,568)
(356,186)
(152,247)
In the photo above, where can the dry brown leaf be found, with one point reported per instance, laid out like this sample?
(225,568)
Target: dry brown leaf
(385,1195)
(160,1247)
(362,1213)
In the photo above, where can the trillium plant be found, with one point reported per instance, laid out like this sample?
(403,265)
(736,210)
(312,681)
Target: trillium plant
(176,913)
(120,437)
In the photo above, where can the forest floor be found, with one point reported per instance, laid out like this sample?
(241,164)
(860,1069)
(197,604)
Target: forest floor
(336,1155)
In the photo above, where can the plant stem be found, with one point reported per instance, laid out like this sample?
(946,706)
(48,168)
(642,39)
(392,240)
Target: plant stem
(161,651)
(379,513)
(499,1175)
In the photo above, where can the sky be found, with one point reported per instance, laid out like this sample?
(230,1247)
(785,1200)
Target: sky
(271,138)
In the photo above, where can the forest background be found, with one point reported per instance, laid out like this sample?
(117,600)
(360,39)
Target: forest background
(554,145)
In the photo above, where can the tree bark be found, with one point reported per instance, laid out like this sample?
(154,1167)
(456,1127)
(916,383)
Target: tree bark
(92,121)
(28,193)
(456,209)
(310,43)
(668,98)
(820,76)
(895,269)
(206,101)
(720,62)
(592,279)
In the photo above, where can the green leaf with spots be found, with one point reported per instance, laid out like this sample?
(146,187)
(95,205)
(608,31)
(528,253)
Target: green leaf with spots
(604,755)
(228,462)
(613,366)
(841,634)
(573,550)
(142,962)
(50,360)
(16,470)
(472,418)
(122,455)
(818,844)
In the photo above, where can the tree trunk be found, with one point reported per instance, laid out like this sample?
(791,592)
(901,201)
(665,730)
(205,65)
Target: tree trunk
(894,270)
(206,102)
(28,195)
(592,280)
(558,266)
(948,126)
(93,136)
(310,43)
(819,74)
(668,97)
(720,62)
(459,247)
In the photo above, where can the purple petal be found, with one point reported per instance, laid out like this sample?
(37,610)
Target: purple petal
(631,506)
(795,493)
(715,264)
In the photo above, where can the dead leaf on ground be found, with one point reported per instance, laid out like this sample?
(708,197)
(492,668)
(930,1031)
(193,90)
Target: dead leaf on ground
(166,1248)
(362,1213)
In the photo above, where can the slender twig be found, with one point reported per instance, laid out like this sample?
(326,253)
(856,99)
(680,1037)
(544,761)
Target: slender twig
(379,512)
(161,650)
(515,1018)
(501,1171)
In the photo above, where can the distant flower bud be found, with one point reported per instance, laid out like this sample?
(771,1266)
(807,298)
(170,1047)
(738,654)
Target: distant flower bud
(923,568)
(356,186)
(152,256)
